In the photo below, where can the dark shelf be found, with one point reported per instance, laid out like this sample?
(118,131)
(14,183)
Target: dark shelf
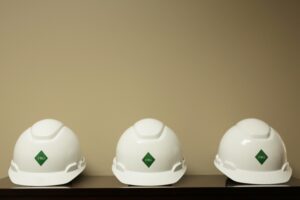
(189,187)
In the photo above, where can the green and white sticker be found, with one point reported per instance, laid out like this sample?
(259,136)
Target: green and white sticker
(148,160)
(261,157)
(41,158)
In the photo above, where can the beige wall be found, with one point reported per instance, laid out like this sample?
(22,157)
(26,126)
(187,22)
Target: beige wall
(199,66)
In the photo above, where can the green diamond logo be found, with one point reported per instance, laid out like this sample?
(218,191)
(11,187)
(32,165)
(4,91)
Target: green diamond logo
(148,159)
(41,158)
(261,157)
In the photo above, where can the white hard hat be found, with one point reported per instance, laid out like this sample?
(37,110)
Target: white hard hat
(148,154)
(253,152)
(48,153)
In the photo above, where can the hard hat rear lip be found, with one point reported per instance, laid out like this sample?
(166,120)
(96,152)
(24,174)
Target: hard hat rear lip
(256,177)
(150,178)
(43,179)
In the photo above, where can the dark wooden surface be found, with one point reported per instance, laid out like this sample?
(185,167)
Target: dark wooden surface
(189,187)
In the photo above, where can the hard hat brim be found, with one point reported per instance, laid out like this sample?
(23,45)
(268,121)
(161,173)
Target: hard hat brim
(43,179)
(148,179)
(256,177)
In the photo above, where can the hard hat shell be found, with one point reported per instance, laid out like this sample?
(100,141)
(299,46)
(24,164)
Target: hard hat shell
(48,153)
(253,152)
(148,154)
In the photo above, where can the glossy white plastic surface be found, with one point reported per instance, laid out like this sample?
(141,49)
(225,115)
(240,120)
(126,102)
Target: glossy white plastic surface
(64,160)
(241,144)
(148,136)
